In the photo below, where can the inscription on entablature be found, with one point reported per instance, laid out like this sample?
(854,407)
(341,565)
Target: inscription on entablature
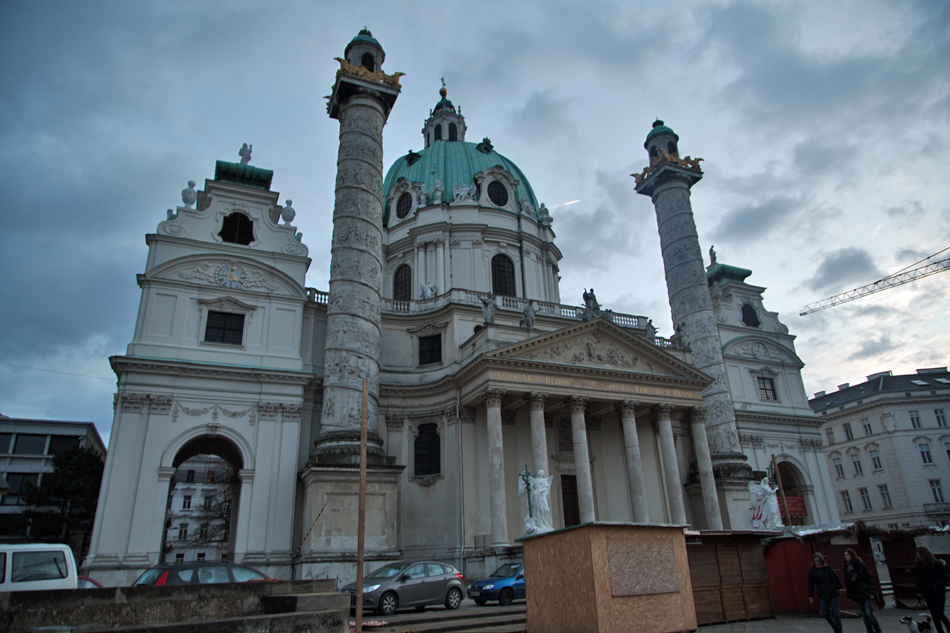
(595,385)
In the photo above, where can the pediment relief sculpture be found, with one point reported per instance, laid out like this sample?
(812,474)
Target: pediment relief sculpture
(230,274)
(761,350)
(592,349)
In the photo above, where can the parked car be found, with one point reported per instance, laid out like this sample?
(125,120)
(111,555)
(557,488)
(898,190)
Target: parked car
(410,584)
(85,582)
(505,585)
(37,566)
(199,572)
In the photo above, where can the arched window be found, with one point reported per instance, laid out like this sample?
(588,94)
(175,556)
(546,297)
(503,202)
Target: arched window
(402,283)
(237,228)
(428,139)
(438,132)
(368,62)
(653,152)
(428,452)
(671,147)
(497,193)
(502,276)
(749,317)
(453,132)
(403,205)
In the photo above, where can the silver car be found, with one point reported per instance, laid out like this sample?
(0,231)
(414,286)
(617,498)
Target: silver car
(410,584)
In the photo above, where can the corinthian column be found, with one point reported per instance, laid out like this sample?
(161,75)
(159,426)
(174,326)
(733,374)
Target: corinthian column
(638,494)
(674,486)
(496,469)
(704,463)
(585,485)
(352,350)
(539,442)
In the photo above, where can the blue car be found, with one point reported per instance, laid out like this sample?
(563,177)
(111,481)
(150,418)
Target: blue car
(505,585)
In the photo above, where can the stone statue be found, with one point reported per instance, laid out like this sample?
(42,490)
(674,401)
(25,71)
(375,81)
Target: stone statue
(429,290)
(591,307)
(765,512)
(680,338)
(488,308)
(546,219)
(651,330)
(245,153)
(537,486)
(189,195)
(288,213)
(526,207)
(527,317)
(423,195)
(463,193)
(712,256)
(437,192)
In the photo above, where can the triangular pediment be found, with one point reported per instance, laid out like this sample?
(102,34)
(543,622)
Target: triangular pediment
(599,344)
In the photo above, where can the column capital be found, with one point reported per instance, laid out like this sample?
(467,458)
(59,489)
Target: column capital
(628,408)
(493,397)
(537,400)
(665,410)
(697,414)
(579,403)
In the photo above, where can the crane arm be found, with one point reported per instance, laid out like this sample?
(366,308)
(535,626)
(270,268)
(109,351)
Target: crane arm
(883,284)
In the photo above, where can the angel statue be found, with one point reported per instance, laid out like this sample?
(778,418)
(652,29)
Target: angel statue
(245,153)
(765,512)
(537,486)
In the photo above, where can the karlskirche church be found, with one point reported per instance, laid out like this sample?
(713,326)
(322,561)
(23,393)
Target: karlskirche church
(444,297)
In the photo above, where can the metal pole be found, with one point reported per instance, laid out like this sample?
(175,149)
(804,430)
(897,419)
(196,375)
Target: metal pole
(361,521)
(781,489)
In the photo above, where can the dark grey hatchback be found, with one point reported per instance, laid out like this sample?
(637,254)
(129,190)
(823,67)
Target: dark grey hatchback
(410,584)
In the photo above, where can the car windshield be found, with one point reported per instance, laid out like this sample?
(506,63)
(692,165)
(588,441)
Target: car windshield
(506,571)
(149,577)
(388,571)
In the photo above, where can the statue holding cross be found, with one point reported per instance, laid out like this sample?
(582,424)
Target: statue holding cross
(537,486)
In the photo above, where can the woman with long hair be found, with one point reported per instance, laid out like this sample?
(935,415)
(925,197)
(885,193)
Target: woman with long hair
(932,579)
(859,585)
(823,580)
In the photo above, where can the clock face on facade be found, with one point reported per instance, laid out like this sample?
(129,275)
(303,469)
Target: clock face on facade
(230,275)
(760,351)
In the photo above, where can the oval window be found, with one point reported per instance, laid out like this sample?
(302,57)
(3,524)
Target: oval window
(497,193)
(403,205)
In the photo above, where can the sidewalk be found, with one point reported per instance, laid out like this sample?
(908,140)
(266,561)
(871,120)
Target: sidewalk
(889,620)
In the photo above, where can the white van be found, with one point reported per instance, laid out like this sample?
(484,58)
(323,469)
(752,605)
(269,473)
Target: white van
(37,566)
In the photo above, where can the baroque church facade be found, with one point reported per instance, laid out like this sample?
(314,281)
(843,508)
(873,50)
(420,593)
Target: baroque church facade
(444,300)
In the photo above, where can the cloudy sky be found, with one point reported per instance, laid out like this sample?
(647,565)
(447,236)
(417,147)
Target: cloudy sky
(824,126)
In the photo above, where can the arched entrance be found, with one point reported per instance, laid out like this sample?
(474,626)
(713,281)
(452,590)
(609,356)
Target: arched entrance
(796,492)
(203,496)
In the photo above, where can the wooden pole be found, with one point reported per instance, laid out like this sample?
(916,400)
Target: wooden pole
(361,520)
(781,489)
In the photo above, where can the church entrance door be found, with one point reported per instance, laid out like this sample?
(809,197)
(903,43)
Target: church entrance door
(572,514)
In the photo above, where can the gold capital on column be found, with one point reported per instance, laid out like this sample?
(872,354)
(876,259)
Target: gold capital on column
(628,408)
(537,400)
(493,397)
(578,404)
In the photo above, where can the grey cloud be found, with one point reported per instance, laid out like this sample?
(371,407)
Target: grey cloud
(753,221)
(544,116)
(844,267)
(871,348)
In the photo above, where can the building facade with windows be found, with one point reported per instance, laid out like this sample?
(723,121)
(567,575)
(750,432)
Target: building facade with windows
(27,448)
(444,297)
(199,517)
(887,445)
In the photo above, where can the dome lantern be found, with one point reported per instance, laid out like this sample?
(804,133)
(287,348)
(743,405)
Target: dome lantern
(661,137)
(364,50)
(445,123)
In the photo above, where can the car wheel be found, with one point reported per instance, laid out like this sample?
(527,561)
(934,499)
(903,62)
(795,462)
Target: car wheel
(505,597)
(480,602)
(453,599)
(388,604)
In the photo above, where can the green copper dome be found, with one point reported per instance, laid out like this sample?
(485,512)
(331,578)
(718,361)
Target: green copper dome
(364,36)
(455,163)
(659,128)
(721,273)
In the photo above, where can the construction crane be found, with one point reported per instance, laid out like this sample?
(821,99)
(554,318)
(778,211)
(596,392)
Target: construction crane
(897,279)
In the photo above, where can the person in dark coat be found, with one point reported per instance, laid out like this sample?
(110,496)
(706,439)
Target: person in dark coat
(859,586)
(823,580)
(932,579)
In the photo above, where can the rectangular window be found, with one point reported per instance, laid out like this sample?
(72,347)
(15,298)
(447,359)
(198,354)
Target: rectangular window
(182,531)
(203,531)
(224,327)
(5,439)
(936,490)
(848,434)
(885,495)
(186,502)
(201,556)
(941,418)
(846,500)
(875,460)
(206,503)
(915,419)
(30,445)
(430,349)
(190,476)
(766,388)
(179,558)
(925,456)
(867,426)
(209,478)
(60,443)
(865,498)
(946,447)
(19,483)
(839,468)
(856,462)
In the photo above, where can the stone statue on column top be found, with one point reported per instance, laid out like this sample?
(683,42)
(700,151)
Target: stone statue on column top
(245,153)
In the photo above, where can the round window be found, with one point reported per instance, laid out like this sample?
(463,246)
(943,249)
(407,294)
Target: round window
(497,193)
(403,205)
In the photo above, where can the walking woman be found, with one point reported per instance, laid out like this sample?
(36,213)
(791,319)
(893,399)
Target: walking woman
(932,581)
(859,586)
(823,580)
